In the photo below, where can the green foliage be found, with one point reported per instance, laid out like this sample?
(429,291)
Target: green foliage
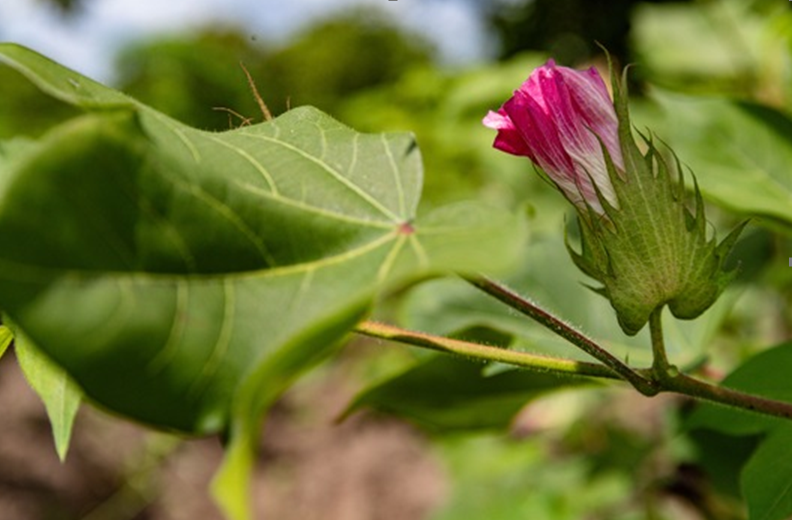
(339,57)
(24,111)
(728,46)
(545,475)
(740,152)
(198,79)
(194,78)
(568,29)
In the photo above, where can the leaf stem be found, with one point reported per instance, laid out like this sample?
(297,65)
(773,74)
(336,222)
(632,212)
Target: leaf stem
(646,386)
(484,352)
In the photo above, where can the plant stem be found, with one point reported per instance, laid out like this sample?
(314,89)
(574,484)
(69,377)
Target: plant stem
(483,352)
(660,364)
(670,379)
(686,385)
(644,385)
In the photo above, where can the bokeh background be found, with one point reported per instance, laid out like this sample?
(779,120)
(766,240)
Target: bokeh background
(434,67)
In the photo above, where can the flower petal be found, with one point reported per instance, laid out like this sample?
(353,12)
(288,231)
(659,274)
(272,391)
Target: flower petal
(541,135)
(508,139)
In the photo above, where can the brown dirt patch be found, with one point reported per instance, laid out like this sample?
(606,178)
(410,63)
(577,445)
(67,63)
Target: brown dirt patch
(367,468)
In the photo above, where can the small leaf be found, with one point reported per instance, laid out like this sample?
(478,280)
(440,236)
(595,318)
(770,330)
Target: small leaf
(61,396)
(767,476)
(447,393)
(6,336)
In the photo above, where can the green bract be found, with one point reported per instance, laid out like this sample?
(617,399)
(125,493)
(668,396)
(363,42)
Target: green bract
(653,250)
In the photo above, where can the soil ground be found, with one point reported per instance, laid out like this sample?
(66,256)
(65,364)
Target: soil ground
(310,468)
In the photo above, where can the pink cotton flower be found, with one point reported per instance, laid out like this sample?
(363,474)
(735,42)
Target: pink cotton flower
(555,118)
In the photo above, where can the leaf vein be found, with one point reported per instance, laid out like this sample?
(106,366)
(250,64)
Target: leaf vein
(396,178)
(335,174)
(252,160)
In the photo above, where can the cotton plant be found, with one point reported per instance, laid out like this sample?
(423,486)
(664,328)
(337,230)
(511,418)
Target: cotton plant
(639,240)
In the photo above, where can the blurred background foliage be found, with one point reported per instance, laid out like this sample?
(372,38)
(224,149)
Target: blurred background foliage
(713,78)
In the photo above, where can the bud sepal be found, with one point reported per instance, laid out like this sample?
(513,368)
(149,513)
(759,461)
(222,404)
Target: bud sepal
(653,250)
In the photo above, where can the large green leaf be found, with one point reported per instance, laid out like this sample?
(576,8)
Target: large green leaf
(184,278)
(60,395)
(740,152)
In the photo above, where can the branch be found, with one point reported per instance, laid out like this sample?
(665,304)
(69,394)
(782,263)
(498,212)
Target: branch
(666,380)
(644,385)
(485,353)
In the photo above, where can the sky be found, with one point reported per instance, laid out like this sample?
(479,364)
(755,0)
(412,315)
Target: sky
(88,42)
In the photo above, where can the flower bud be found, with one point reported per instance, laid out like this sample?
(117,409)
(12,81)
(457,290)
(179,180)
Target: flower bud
(639,239)
(558,118)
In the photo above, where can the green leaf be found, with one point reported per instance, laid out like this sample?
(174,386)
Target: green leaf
(446,393)
(739,151)
(185,278)
(767,375)
(6,337)
(767,476)
(61,396)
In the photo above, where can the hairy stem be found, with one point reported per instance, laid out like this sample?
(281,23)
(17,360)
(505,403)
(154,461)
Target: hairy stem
(686,385)
(643,384)
(670,379)
(483,352)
